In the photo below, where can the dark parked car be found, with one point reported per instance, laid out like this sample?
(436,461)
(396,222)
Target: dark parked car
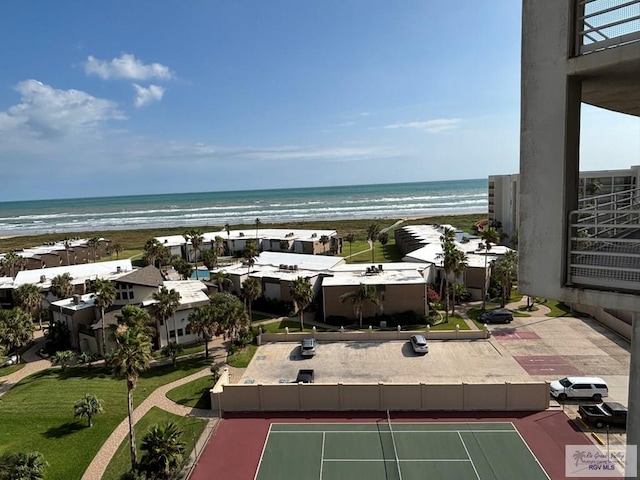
(308,347)
(419,344)
(305,376)
(607,413)
(496,316)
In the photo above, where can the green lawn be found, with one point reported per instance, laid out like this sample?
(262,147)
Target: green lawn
(9,370)
(558,309)
(383,253)
(242,357)
(37,414)
(193,394)
(191,428)
(451,324)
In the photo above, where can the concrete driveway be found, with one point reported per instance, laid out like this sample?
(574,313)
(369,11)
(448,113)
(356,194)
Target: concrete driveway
(531,348)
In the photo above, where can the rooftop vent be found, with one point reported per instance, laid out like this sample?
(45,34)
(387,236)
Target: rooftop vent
(42,278)
(118,269)
(76,299)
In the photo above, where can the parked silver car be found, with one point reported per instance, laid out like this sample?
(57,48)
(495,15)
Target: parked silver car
(419,344)
(308,347)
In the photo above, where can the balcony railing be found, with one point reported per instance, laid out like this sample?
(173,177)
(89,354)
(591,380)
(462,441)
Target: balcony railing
(604,242)
(604,24)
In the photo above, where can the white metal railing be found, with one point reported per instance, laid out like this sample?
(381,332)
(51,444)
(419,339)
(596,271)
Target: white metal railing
(604,242)
(604,24)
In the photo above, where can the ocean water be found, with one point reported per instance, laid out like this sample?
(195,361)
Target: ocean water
(396,200)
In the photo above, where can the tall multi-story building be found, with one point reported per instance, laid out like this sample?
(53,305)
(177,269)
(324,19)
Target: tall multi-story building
(576,52)
(603,186)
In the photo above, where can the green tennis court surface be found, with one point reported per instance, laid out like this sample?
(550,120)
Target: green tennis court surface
(402,451)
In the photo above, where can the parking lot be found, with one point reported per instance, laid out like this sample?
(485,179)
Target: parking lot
(532,348)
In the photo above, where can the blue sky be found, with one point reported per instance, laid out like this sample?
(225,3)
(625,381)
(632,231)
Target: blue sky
(115,98)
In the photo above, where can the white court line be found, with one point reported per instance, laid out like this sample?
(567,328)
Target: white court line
(264,446)
(416,460)
(322,455)
(534,457)
(465,449)
(397,432)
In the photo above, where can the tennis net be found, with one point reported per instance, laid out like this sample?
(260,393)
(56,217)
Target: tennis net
(395,448)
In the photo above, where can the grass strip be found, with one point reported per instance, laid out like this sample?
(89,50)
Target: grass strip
(194,394)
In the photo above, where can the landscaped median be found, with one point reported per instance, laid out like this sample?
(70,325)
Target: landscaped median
(37,413)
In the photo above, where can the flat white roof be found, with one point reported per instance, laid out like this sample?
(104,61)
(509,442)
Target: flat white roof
(86,301)
(475,257)
(79,273)
(50,247)
(249,233)
(385,277)
(304,262)
(191,291)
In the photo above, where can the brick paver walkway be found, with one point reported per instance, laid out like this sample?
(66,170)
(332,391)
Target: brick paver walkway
(33,363)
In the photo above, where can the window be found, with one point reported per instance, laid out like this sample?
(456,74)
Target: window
(582,386)
(180,332)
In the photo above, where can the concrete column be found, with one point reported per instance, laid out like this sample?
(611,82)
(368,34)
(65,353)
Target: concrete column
(549,146)
(633,418)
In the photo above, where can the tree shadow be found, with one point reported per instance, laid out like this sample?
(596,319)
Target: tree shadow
(63,430)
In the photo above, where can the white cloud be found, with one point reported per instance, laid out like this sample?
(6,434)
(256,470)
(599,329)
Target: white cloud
(145,96)
(45,111)
(126,66)
(430,126)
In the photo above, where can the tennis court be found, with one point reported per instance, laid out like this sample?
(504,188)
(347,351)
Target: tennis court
(387,449)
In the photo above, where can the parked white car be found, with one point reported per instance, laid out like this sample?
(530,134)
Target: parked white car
(579,387)
(10,360)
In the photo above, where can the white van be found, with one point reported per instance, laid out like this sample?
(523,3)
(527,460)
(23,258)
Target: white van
(579,387)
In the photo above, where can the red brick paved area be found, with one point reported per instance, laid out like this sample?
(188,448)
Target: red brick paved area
(547,365)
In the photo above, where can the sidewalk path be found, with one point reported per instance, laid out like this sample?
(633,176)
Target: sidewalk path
(33,364)
(157,398)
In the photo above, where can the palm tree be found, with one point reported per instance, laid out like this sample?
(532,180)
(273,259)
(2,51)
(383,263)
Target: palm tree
(228,315)
(22,466)
(506,269)
(448,257)
(219,246)
(446,240)
(459,265)
(164,451)
(166,307)
(201,322)
(16,328)
(251,290)
(195,237)
(117,249)
(324,240)
(130,357)
(383,238)
(489,237)
(350,237)
(302,295)
(105,295)
(373,231)
(363,294)
(63,358)
(155,253)
(93,244)
(210,258)
(173,351)
(222,281)
(29,297)
(13,263)
(227,228)
(88,406)
(61,285)
(258,223)
(249,254)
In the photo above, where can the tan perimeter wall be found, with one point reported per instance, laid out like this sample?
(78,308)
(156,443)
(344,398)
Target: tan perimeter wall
(373,336)
(610,321)
(380,397)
